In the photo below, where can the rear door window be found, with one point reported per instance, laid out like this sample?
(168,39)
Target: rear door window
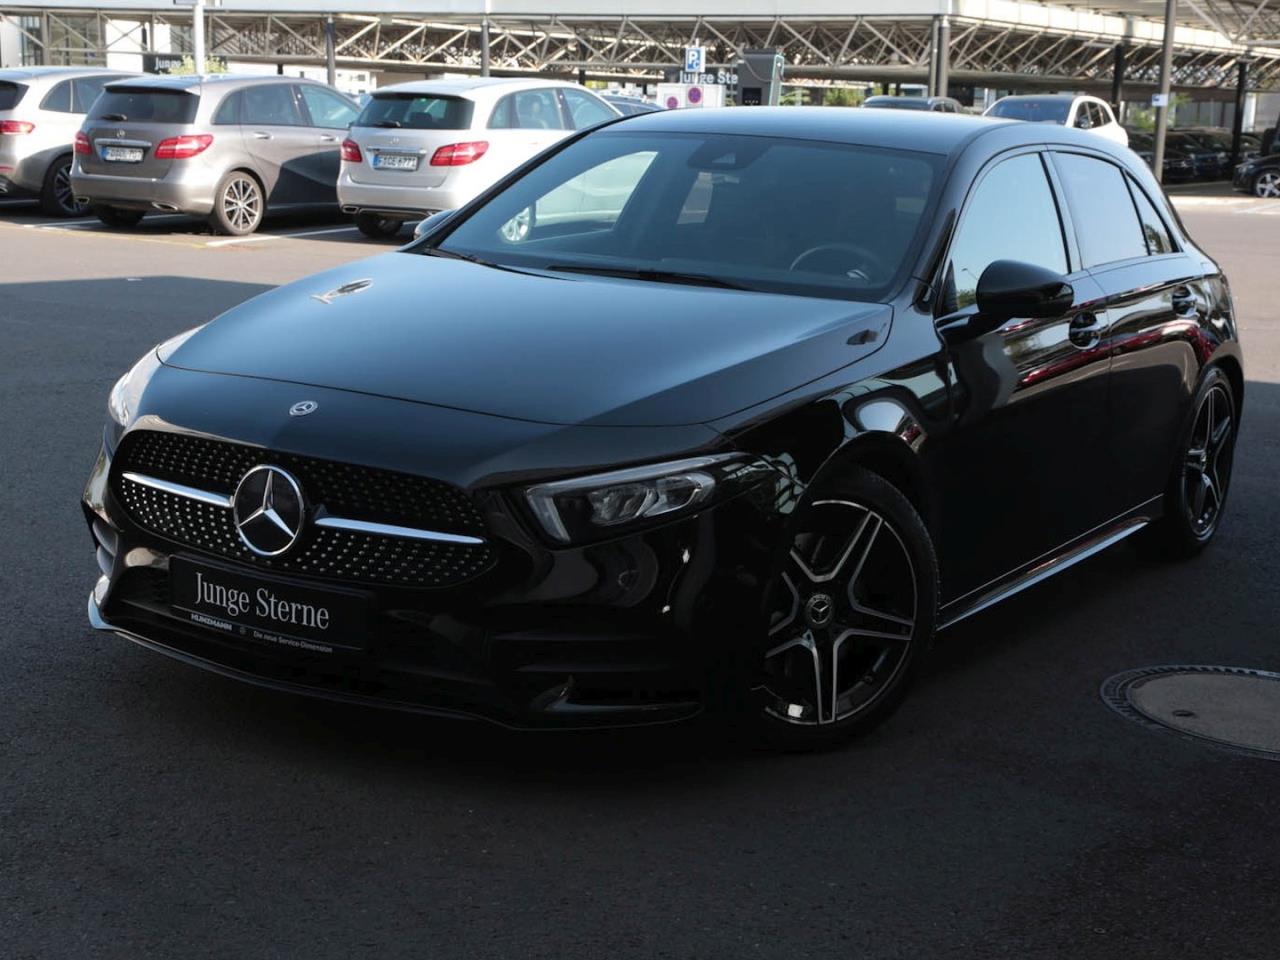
(85,91)
(143,105)
(326,108)
(58,99)
(1102,210)
(416,111)
(10,94)
(1011,215)
(535,110)
(270,105)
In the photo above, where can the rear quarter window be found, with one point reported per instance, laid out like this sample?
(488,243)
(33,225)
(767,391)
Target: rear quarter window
(10,94)
(126,104)
(416,111)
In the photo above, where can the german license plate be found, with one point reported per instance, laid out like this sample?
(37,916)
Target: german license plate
(122,154)
(395,161)
(249,607)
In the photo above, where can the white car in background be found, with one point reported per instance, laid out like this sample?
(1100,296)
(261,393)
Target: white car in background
(1081,112)
(431,145)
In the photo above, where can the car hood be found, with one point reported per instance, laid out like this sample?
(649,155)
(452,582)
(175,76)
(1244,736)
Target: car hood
(549,349)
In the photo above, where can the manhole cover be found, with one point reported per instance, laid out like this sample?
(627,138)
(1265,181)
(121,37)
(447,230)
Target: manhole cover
(1232,707)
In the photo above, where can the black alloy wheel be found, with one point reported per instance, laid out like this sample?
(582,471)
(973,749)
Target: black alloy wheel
(1201,478)
(57,199)
(849,614)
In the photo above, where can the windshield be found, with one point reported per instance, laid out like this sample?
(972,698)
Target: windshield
(786,216)
(1032,109)
(416,111)
(10,94)
(143,104)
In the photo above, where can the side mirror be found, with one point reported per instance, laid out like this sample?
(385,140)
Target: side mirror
(1009,289)
(426,226)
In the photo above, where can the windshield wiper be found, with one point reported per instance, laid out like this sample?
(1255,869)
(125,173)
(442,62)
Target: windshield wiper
(454,255)
(656,276)
(114,117)
(471,258)
(394,124)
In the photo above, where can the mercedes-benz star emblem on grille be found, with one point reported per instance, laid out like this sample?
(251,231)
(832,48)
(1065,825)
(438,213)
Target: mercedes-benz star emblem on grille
(302,408)
(268,510)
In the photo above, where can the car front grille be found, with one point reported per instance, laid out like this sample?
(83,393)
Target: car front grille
(359,493)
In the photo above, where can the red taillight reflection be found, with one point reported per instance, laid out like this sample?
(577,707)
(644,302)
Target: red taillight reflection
(459,154)
(184,147)
(82,144)
(351,152)
(16,126)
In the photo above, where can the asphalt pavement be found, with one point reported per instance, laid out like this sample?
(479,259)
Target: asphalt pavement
(148,809)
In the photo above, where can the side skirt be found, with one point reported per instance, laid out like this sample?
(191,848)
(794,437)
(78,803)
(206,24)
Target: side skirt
(1095,541)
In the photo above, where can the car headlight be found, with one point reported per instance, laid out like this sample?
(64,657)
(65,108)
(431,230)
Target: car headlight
(122,403)
(591,507)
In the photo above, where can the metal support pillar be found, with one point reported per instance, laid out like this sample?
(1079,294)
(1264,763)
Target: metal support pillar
(1119,62)
(330,51)
(484,47)
(197,34)
(1237,122)
(944,55)
(1166,77)
(932,86)
(46,56)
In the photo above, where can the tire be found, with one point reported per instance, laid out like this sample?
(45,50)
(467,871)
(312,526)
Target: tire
(377,227)
(858,593)
(1196,495)
(117,218)
(56,196)
(1266,183)
(238,205)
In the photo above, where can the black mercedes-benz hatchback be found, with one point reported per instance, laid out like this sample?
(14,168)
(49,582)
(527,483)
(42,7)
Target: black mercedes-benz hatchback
(718,411)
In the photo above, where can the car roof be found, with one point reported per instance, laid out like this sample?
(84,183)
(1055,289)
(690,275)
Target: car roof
(923,131)
(462,86)
(39,73)
(165,81)
(1053,97)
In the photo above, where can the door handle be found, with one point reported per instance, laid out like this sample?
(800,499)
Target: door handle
(1085,330)
(261,135)
(329,138)
(1184,302)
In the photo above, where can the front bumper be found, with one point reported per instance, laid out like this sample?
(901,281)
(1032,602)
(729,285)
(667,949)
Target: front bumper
(1242,179)
(648,628)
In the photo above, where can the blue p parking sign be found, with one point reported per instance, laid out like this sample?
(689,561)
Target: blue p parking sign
(695,59)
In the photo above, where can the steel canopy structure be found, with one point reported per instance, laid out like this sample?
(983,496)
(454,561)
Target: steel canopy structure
(1005,43)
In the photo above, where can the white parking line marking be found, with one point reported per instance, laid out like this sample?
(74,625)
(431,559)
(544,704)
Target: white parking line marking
(256,238)
(316,233)
(59,224)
